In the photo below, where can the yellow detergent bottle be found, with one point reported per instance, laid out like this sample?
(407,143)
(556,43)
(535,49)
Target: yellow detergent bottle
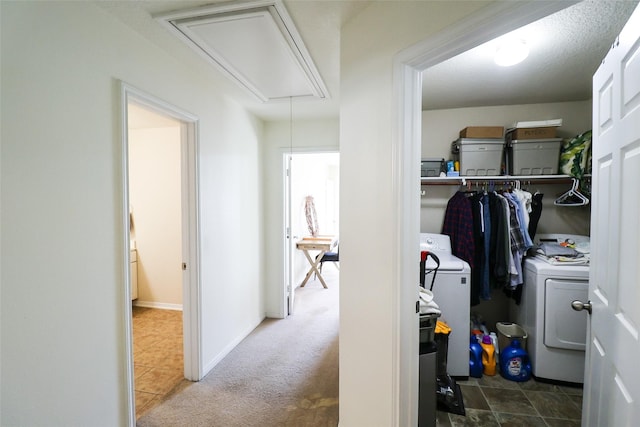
(488,356)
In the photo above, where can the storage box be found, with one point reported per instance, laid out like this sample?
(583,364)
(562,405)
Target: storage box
(482,132)
(478,157)
(431,167)
(508,331)
(531,133)
(533,156)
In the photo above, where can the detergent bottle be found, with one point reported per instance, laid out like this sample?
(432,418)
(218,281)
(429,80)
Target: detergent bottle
(514,362)
(494,340)
(488,356)
(475,358)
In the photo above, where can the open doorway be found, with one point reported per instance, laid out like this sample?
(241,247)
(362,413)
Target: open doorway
(312,182)
(159,151)
(155,236)
(410,63)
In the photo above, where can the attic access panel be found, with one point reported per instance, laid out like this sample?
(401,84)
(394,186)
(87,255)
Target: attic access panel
(255,44)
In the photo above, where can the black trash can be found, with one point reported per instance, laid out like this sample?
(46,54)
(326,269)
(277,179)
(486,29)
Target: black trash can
(427,365)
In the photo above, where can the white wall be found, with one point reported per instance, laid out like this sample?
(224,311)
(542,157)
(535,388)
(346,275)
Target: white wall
(308,136)
(155,199)
(62,265)
(441,127)
(368,215)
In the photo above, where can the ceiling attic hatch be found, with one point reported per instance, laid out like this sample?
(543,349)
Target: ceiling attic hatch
(255,43)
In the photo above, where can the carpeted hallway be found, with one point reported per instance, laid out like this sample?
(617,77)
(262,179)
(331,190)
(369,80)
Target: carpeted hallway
(285,373)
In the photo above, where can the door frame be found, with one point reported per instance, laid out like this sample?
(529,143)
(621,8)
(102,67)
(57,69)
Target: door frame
(288,272)
(488,23)
(191,288)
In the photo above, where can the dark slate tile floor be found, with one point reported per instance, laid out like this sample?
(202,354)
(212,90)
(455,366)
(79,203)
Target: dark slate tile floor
(495,401)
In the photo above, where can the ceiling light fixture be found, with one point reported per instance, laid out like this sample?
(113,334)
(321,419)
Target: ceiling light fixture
(511,52)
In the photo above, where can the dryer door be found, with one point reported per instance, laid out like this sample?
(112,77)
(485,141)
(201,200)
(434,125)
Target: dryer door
(563,327)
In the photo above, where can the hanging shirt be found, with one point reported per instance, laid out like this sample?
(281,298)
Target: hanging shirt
(458,225)
(536,206)
(499,243)
(478,236)
(521,197)
(517,241)
(485,289)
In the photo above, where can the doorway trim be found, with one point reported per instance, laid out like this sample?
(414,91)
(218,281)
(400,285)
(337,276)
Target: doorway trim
(191,289)
(488,23)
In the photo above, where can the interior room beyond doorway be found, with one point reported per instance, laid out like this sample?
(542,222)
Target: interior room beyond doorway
(314,205)
(155,235)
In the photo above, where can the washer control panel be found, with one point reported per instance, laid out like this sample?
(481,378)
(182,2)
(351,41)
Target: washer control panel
(435,242)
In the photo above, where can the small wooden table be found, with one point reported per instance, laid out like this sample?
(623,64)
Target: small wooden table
(321,243)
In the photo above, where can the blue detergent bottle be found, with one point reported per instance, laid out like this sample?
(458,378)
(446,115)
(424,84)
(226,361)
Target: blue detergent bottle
(514,362)
(475,358)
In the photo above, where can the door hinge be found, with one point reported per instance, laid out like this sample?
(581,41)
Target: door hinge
(184,266)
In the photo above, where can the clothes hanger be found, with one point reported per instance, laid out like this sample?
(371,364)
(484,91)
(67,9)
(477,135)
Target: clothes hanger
(573,197)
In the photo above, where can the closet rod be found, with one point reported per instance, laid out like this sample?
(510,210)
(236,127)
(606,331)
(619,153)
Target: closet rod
(461,180)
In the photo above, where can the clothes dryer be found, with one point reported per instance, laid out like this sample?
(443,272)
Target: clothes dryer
(556,333)
(452,293)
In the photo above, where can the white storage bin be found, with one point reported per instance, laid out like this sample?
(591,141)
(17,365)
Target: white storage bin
(534,156)
(478,157)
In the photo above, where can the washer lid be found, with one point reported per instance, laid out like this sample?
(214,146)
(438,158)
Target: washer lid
(448,262)
(542,268)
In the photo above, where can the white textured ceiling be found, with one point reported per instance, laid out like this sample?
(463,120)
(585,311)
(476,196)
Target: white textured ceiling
(565,51)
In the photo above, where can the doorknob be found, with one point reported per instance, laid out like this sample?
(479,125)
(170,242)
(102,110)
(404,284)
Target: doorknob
(579,306)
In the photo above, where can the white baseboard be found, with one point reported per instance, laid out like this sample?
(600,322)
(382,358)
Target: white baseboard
(271,315)
(159,305)
(213,362)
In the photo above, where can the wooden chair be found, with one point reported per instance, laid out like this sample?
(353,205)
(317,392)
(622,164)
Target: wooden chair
(331,257)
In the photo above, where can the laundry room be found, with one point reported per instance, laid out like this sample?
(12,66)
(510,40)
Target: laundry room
(441,127)
(513,142)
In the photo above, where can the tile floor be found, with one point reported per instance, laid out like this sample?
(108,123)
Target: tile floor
(495,401)
(157,355)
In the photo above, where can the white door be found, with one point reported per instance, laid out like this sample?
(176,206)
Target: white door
(290,236)
(612,377)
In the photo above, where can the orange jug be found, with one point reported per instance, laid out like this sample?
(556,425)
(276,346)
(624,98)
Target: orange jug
(488,356)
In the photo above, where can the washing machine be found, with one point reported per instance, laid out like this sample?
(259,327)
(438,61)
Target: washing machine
(556,333)
(452,293)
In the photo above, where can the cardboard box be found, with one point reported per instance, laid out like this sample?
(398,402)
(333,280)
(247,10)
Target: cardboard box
(482,132)
(532,133)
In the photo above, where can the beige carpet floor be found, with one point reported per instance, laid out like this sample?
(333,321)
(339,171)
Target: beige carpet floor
(285,373)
